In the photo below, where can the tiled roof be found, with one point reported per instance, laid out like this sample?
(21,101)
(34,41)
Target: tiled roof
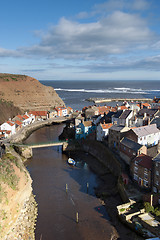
(106,126)
(87,123)
(25,116)
(118,114)
(125,114)
(145,130)
(144,161)
(122,108)
(18,122)
(38,113)
(10,123)
(117,128)
(110,114)
(149,112)
(20,117)
(131,144)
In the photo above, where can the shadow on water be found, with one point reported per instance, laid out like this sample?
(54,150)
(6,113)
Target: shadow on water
(102,211)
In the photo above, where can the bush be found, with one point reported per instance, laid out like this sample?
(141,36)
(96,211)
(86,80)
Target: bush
(148,207)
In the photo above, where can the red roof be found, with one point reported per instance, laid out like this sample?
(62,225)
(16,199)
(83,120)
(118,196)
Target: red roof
(10,123)
(107,125)
(18,122)
(8,132)
(38,113)
(25,116)
(122,107)
(104,109)
(144,161)
(20,117)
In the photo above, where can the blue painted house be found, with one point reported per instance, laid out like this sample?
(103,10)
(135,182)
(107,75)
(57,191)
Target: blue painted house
(84,129)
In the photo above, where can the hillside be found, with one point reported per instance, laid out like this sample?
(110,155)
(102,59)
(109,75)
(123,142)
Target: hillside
(28,93)
(8,110)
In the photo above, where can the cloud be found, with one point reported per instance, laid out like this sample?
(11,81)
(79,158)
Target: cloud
(115,34)
(113,5)
(113,65)
(9,53)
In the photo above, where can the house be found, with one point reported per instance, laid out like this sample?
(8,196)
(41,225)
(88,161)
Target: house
(84,129)
(90,112)
(2,134)
(141,170)
(148,112)
(18,125)
(61,111)
(145,135)
(116,133)
(9,126)
(69,110)
(130,149)
(39,115)
(103,109)
(156,121)
(52,113)
(122,118)
(102,131)
(115,117)
(156,174)
(144,105)
(25,119)
(78,119)
(108,117)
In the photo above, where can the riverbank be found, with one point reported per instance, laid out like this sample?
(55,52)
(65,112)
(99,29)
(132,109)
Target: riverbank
(26,131)
(107,192)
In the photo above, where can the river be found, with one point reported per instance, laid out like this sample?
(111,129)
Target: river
(58,209)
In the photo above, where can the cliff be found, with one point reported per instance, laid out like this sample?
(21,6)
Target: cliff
(17,205)
(28,93)
(8,110)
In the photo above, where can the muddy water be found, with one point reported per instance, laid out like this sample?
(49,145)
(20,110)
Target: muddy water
(57,209)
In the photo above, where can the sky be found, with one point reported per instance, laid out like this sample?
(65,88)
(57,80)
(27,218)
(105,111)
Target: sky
(81,40)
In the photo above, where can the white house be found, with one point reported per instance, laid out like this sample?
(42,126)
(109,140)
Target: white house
(102,131)
(146,135)
(27,119)
(122,117)
(9,126)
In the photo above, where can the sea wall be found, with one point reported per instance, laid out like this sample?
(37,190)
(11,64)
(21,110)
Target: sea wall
(99,151)
(25,132)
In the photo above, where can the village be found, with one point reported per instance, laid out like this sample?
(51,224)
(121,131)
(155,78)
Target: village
(132,132)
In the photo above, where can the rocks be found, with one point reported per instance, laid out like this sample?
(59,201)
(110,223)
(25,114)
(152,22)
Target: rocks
(25,225)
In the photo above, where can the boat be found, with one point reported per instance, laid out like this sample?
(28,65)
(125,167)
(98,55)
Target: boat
(71,161)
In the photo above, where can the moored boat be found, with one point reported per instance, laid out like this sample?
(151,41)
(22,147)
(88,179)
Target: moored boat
(71,161)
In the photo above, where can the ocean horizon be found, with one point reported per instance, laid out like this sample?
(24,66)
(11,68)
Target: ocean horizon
(75,93)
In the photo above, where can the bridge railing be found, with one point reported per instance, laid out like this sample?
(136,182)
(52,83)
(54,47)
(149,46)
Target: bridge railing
(39,143)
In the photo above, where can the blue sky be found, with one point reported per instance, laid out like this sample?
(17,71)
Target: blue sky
(74,40)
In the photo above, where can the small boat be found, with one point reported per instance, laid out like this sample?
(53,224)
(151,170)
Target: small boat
(71,161)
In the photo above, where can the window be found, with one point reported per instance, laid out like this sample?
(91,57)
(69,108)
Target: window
(145,183)
(157,183)
(145,176)
(157,173)
(154,189)
(135,169)
(135,177)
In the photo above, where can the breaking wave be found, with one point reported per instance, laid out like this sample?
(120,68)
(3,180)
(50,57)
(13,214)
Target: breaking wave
(113,90)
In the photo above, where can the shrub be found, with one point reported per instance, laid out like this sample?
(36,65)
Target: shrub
(148,207)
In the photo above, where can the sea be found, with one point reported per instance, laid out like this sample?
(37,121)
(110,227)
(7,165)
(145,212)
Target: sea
(75,93)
